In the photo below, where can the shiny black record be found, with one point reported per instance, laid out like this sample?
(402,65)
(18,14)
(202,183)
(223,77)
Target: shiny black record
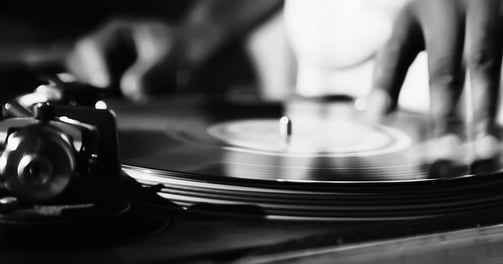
(333,165)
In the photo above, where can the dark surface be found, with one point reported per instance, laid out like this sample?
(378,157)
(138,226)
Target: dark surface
(186,237)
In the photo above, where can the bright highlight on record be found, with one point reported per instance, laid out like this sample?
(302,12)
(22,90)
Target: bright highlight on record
(310,137)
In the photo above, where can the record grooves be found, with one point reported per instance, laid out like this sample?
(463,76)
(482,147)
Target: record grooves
(357,204)
(228,160)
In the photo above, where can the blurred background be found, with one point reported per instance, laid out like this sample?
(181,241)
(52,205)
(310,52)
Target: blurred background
(278,48)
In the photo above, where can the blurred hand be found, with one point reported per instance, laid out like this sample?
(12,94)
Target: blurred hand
(138,56)
(163,56)
(456,34)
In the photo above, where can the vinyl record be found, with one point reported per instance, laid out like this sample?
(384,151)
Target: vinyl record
(331,165)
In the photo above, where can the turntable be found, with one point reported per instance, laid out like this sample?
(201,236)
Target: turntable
(322,162)
(251,182)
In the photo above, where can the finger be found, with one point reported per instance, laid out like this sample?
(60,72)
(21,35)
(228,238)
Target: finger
(152,44)
(87,63)
(93,60)
(392,63)
(443,29)
(483,58)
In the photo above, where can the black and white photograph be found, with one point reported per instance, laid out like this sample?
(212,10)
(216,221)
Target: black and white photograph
(251,131)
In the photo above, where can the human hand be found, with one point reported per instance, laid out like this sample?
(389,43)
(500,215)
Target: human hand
(459,36)
(160,55)
(140,57)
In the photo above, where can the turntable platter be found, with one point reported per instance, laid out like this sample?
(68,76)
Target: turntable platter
(331,167)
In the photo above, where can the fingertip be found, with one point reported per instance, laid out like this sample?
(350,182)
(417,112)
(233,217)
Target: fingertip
(487,155)
(88,63)
(379,103)
(98,79)
(486,147)
(132,88)
(444,157)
